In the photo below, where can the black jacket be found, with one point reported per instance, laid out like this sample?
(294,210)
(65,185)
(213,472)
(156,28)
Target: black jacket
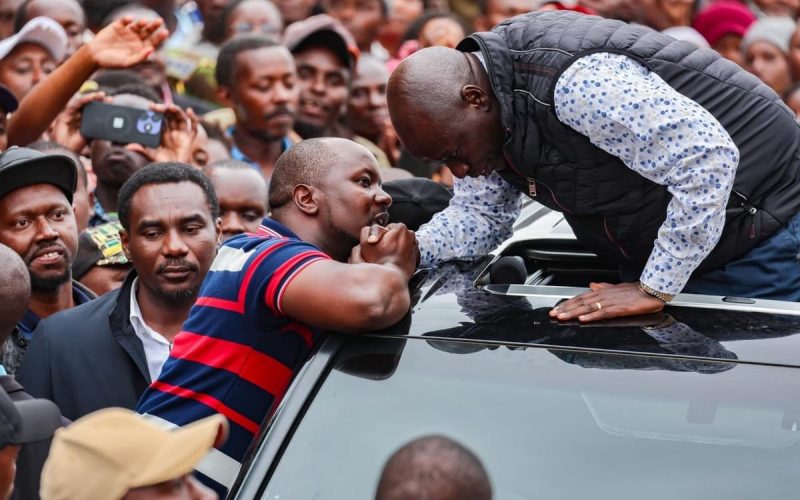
(88,357)
(612,209)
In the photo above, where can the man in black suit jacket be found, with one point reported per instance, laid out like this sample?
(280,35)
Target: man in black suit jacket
(105,353)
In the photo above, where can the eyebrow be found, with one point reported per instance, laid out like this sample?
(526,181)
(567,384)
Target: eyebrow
(146,223)
(37,209)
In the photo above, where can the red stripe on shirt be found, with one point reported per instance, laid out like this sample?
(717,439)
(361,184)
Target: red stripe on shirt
(301,330)
(275,288)
(228,305)
(237,306)
(257,368)
(279,298)
(213,403)
(248,275)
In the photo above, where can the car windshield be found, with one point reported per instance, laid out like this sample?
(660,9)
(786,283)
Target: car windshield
(550,423)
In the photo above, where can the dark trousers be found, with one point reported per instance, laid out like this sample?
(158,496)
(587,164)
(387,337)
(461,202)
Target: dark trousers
(769,271)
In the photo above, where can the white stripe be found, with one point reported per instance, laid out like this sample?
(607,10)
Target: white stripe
(230,259)
(216,465)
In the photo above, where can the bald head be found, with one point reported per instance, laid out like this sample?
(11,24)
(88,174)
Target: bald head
(15,290)
(426,88)
(308,162)
(444,110)
(434,468)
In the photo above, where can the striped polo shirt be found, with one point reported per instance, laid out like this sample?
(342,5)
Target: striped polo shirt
(237,351)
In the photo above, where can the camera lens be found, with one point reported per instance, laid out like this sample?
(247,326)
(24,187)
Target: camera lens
(148,127)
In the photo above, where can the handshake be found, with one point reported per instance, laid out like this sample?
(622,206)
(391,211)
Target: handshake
(393,245)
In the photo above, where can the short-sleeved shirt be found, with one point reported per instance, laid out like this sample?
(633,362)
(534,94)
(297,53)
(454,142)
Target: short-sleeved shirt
(237,351)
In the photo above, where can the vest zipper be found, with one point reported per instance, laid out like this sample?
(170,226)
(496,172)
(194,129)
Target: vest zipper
(532,187)
(750,210)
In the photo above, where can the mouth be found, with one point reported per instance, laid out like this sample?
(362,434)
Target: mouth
(281,116)
(49,256)
(176,273)
(313,108)
(381,218)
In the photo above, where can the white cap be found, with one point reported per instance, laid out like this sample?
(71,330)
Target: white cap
(41,31)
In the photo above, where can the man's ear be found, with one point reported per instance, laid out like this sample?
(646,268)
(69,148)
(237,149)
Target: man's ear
(305,198)
(224,95)
(475,97)
(124,238)
(218,229)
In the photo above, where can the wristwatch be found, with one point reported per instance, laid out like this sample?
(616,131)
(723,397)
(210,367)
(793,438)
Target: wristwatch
(665,297)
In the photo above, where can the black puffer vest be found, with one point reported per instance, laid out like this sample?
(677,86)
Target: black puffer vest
(612,209)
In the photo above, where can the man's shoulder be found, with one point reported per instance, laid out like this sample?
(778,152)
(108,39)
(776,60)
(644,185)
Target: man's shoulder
(78,319)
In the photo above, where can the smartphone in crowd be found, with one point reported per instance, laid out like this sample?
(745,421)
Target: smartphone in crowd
(122,124)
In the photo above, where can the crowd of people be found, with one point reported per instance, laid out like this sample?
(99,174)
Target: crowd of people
(159,298)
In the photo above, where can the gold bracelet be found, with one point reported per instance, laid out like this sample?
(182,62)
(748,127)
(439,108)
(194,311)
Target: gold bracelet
(664,297)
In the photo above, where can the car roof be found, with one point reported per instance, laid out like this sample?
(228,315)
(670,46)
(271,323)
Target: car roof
(451,310)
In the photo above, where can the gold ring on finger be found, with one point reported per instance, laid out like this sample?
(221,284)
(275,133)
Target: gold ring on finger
(599,306)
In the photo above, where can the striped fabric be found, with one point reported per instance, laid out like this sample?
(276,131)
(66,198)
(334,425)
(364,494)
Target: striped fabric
(238,351)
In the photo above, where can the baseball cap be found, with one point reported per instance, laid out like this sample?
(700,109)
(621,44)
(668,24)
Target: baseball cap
(8,101)
(99,246)
(106,453)
(326,31)
(773,30)
(415,201)
(41,31)
(20,167)
(27,421)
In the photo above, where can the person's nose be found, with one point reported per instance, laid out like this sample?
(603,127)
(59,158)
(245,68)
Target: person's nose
(232,223)
(38,74)
(377,99)
(383,198)
(318,84)
(282,94)
(174,246)
(459,169)
(45,231)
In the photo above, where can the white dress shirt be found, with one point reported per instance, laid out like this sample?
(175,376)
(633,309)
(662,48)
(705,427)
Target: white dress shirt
(156,347)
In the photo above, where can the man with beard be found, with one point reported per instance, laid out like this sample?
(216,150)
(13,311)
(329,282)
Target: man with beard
(268,296)
(37,222)
(107,352)
(257,79)
(325,55)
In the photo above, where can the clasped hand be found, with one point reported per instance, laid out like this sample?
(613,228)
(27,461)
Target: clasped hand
(393,245)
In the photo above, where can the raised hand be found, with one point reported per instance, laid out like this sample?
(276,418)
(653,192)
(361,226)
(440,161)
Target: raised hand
(65,129)
(125,42)
(180,131)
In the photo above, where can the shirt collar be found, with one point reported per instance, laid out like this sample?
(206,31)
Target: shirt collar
(238,155)
(31,320)
(273,228)
(140,328)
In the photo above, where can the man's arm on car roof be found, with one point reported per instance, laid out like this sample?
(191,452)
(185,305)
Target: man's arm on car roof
(347,297)
(480,216)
